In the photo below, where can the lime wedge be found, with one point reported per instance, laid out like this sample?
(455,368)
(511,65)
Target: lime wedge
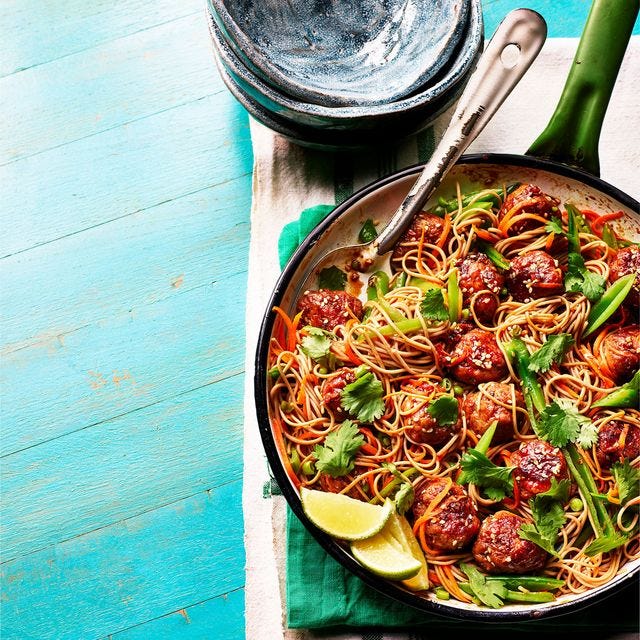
(402,533)
(344,517)
(382,555)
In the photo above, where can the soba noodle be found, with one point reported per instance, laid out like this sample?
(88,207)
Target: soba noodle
(399,356)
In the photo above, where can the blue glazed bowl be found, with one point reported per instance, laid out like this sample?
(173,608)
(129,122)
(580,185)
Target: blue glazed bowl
(343,52)
(407,115)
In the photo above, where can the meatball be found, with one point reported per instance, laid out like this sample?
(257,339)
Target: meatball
(536,463)
(327,309)
(453,523)
(477,358)
(478,274)
(493,403)
(620,353)
(420,425)
(627,261)
(430,224)
(528,198)
(534,274)
(332,389)
(617,441)
(499,549)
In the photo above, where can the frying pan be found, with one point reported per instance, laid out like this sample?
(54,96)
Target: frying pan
(563,161)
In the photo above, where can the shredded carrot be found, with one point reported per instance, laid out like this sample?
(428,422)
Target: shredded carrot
(550,240)
(290,338)
(434,578)
(483,234)
(351,354)
(445,231)
(419,264)
(599,222)
(505,225)
(450,583)
(433,504)
(517,208)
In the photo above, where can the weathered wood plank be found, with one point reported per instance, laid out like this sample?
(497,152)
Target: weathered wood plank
(107,86)
(37,32)
(128,314)
(124,170)
(115,470)
(131,572)
(221,617)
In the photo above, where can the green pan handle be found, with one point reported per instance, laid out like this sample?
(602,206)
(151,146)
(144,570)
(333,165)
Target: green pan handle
(572,135)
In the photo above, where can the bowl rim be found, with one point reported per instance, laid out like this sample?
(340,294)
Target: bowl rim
(331,546)
(271,73)
(468,51)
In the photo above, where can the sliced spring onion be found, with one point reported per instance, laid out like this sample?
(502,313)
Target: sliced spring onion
(627,396)
(454,297)
(613,297)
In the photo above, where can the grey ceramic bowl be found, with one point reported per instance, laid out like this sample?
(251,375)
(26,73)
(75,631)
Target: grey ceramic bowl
(343,52)
(338,140)
(403,114)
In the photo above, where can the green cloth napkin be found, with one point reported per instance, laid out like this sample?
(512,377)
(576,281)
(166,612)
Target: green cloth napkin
(322,594)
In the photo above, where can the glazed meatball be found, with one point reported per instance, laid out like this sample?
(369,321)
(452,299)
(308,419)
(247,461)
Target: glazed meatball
(534,274)
(332,389)
(494,402)
(627,261)
(454,522)
(617,441)
(476,358)
(536,463)
(478,274)
(499,549)
(620,353)
(528,198)
(420,425)
(327,309)
(432,225)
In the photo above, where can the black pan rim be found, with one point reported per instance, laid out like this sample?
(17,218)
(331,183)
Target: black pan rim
(333,548)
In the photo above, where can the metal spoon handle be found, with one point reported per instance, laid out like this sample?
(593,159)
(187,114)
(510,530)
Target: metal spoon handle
(513,47)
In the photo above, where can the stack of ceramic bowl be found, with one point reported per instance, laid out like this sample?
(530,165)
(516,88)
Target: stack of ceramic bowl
(338,74)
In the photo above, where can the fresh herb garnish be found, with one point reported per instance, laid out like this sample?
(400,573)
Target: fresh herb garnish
(627,479)
(554,226)
(553,350)
(490,592)
(444,410)
(336,457)
(332,278)
(316,342)
(478,469)
(580,280)
(432,306)
(363,397)
(561,423)
(548,516)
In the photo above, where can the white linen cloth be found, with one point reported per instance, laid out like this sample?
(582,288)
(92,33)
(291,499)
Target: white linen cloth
(288,178)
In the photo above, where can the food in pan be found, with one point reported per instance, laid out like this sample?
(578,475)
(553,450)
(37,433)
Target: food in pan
(488,386)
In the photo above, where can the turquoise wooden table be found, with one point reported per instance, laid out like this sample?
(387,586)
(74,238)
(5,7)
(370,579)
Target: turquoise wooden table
(125,173)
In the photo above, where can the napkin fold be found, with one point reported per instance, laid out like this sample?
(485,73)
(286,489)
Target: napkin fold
(288,180)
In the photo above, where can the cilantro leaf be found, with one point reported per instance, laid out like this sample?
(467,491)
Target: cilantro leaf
(432,306)
(605,544)
(557,491)
(340,447)
(489,592)
(316,343)
(554,226)
(628,480)
(553,350)
(363,398)
(444,410)
(548,519)
(332,278)
(479,470)
(579,279)
(560,423)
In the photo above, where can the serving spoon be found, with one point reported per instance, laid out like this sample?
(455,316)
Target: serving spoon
(510,52)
